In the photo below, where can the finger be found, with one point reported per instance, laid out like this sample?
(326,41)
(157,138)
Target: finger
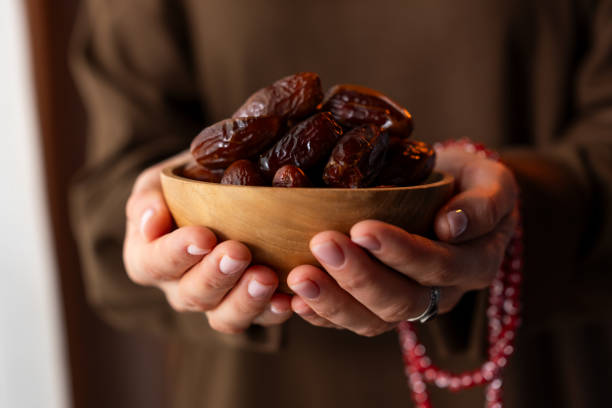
(332,303)
(167,257)
(388,294)
(247,300)
(204,285)
(277,312)
(300,307)
(488,193)
(146,209)
(431,263)
(148,216)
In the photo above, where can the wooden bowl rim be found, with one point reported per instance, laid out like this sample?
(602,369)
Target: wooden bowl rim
(170,172)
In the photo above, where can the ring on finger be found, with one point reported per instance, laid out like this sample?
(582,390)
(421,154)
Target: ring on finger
(432,307)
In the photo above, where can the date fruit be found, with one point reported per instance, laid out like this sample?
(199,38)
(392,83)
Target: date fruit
(342,99)
(242,173)
(290,176)
(290,98)
(357,158)
(305,145)
(194,171)
(408,162)
(234,139)
(352,115)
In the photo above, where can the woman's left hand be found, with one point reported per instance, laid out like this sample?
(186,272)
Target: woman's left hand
(370,296)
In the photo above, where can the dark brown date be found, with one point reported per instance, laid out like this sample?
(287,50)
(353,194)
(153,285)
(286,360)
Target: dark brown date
(194,171)
(305,145)
(292,97)
(399,120)
(408,162)
(351,114)
(234,139)
(290,176)
(357,158)
(242,173)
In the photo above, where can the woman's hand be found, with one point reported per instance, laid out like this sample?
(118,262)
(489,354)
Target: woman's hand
(195,273)
(370,296)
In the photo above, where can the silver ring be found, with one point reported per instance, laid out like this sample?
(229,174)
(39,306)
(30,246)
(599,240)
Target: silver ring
(432,308)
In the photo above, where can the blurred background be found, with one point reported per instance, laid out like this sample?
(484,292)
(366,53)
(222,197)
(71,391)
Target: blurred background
(54,351)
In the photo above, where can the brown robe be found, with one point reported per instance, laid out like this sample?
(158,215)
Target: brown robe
(530,78)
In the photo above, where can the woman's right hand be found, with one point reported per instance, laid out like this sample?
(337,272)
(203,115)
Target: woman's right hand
(195,273)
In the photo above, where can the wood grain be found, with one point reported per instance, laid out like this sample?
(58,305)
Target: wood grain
(278,223)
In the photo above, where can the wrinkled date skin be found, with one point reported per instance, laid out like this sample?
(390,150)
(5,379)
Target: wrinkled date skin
(242,173)
(408,162)
(352,115)
(343,100)
(305,145)
(357,158)
(234,139)
(290,98)
(194,171)
(290,176)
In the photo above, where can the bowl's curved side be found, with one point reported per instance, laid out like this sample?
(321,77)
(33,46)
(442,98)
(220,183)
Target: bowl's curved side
(278,223)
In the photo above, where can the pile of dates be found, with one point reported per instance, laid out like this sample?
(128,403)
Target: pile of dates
(290,135)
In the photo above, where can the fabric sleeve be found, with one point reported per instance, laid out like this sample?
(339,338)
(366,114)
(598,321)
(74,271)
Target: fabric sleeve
(132,65)
(567,193)
(566,203)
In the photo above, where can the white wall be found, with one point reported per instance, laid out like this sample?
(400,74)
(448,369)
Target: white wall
(32,360)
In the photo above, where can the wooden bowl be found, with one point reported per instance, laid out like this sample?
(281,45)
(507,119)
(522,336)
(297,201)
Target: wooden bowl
(278,223)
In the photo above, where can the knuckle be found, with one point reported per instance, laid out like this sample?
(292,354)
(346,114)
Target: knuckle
(176,304)
(215,284)
(370,331)
(176,262)
(224,327)
(316,320)
(440,274)
(248,307)
(356,282)
(331,311)
(396,312)
(137,278)
(154,274)
(194,301)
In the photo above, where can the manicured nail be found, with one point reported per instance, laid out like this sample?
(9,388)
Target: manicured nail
(196,250)
(276,310)
(258,290)
(146,216)
(457,222)
(329,253)
(307,289)
(229,265)
(367,242)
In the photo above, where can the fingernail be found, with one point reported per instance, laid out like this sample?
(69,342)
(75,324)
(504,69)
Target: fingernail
(258,290)
(367,242)
(307,289)
(276,310)
(457,222)
(146,216)
(229,265)
(329,253)
(196,250)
